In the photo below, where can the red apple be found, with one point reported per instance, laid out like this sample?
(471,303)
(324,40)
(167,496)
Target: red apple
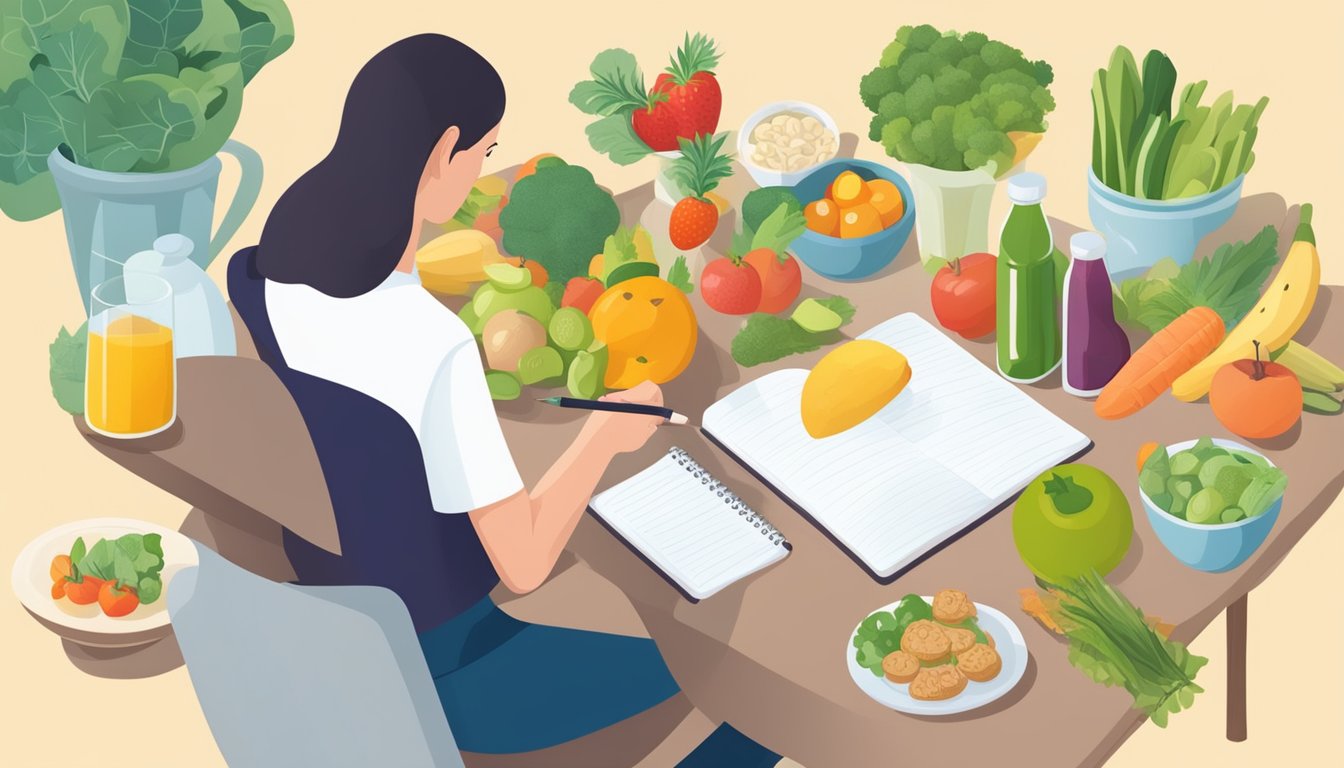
(962,295)
(781,279)
(730,286)
(581,293)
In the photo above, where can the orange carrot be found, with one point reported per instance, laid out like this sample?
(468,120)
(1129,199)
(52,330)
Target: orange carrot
(1161,360)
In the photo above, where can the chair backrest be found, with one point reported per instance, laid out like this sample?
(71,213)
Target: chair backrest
(375,474)
(290,675)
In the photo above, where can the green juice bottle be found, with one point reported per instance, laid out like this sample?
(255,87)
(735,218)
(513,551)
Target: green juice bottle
(1026,304)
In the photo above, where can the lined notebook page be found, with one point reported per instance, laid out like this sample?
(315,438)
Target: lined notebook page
(941,455)
(689,525)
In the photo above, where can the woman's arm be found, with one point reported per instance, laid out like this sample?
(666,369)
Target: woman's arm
(525,533)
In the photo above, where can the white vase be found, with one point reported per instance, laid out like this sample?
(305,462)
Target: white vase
(951,211)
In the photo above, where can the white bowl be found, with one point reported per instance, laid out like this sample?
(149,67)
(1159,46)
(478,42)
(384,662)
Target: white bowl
(87,624)
(768,177)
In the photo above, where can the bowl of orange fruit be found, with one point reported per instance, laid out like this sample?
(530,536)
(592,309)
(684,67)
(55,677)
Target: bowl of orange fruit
(859,216)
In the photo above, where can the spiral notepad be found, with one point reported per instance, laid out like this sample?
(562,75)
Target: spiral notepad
(689,526)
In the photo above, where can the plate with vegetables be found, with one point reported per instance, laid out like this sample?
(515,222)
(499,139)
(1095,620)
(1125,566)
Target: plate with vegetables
(102,582)
(937,655)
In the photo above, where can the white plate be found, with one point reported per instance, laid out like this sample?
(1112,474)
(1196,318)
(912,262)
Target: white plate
(1007,641)
(88,623)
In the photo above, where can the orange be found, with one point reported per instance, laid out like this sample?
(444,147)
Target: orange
(530,167)
(860,220)
(849,189)
(649,329)
(539,274)
(822,217)
(886,198)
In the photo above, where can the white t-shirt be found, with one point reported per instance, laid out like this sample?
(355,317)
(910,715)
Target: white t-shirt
(400,346)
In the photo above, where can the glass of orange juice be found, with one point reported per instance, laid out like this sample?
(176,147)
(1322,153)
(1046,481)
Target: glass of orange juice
(131,381)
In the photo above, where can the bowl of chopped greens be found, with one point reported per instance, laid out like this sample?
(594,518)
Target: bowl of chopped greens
(1211,502)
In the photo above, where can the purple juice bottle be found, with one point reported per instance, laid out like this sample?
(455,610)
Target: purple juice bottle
(1095,346)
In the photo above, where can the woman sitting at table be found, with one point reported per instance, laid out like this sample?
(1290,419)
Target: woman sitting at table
(371,357)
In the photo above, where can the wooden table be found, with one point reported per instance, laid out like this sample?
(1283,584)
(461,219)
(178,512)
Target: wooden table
(766,653)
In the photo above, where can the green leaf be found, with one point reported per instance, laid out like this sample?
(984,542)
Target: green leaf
(83,57)
(148,115)
(779,230)
(935,264)
(614,136)
(679,275)
(617,86)
(157,29)
(67,355)
(148,589)
(766,338)
(30,128)
(27,22)
(78,550)
(100,560)
(266,30)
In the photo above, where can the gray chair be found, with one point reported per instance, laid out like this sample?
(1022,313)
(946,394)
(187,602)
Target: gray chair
(297,676)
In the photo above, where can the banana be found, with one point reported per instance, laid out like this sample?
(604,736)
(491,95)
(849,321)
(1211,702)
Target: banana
(1280,313)
(1314,371)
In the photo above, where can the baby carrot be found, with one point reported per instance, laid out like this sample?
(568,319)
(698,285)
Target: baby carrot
(1161,360)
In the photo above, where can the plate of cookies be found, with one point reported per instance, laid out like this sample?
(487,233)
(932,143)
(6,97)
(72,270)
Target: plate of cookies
(936,655)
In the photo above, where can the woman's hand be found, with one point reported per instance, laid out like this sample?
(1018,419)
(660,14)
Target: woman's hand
(625,432)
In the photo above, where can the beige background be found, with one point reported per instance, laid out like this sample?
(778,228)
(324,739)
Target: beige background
(52,714)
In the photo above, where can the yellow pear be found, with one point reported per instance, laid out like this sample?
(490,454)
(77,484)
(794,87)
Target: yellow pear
(850,384)
(1280,313)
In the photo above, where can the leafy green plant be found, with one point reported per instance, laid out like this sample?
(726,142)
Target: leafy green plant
(123,85)
(1228,282)
(67,355)
(1139,148)
(955,102)
(766,338)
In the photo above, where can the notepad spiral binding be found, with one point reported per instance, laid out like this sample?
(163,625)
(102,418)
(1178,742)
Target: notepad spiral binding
(722,491)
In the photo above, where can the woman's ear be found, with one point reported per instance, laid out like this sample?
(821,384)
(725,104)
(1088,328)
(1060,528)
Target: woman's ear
(439,197)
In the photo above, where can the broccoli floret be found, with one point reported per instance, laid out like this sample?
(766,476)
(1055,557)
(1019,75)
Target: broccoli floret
(560,218)
(954,98)
(876,84)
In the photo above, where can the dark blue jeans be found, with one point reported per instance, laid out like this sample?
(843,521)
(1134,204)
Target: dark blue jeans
(508,686)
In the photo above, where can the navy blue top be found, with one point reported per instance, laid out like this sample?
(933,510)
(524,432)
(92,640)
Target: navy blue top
(370,457)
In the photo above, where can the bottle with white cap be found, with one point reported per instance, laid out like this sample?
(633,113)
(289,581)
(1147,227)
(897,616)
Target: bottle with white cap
(1095,346)
(201,321)
(1026,302)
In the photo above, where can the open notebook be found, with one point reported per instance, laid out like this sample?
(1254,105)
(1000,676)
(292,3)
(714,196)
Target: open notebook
(689,526)
(953,448)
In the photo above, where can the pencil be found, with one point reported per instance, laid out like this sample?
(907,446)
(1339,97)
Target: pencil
(671,416)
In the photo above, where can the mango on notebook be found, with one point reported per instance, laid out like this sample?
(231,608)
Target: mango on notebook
(850,384)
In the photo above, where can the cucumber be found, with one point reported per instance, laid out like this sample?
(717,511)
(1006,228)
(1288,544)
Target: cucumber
(540,364)
(570,329)
(588,372)
(502,385)
(1321,403)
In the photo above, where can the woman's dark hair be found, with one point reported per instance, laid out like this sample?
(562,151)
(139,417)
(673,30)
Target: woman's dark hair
(344,225)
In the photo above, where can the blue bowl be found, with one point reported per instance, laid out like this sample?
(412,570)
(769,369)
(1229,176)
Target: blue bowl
(1139,233)
(1211,548)
(859,257)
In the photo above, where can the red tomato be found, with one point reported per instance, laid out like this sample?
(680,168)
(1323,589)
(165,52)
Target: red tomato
(962,295)
(83,592)
(781,279)
(733,288)
(581,293)
(116,602)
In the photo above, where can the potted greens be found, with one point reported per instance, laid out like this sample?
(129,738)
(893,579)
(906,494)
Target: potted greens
(114,111)
(960,111)
(1160,181)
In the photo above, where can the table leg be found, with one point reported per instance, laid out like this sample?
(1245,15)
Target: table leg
(1236,670)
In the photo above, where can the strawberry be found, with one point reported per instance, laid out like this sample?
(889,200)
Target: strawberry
(698,171)
(685,100)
